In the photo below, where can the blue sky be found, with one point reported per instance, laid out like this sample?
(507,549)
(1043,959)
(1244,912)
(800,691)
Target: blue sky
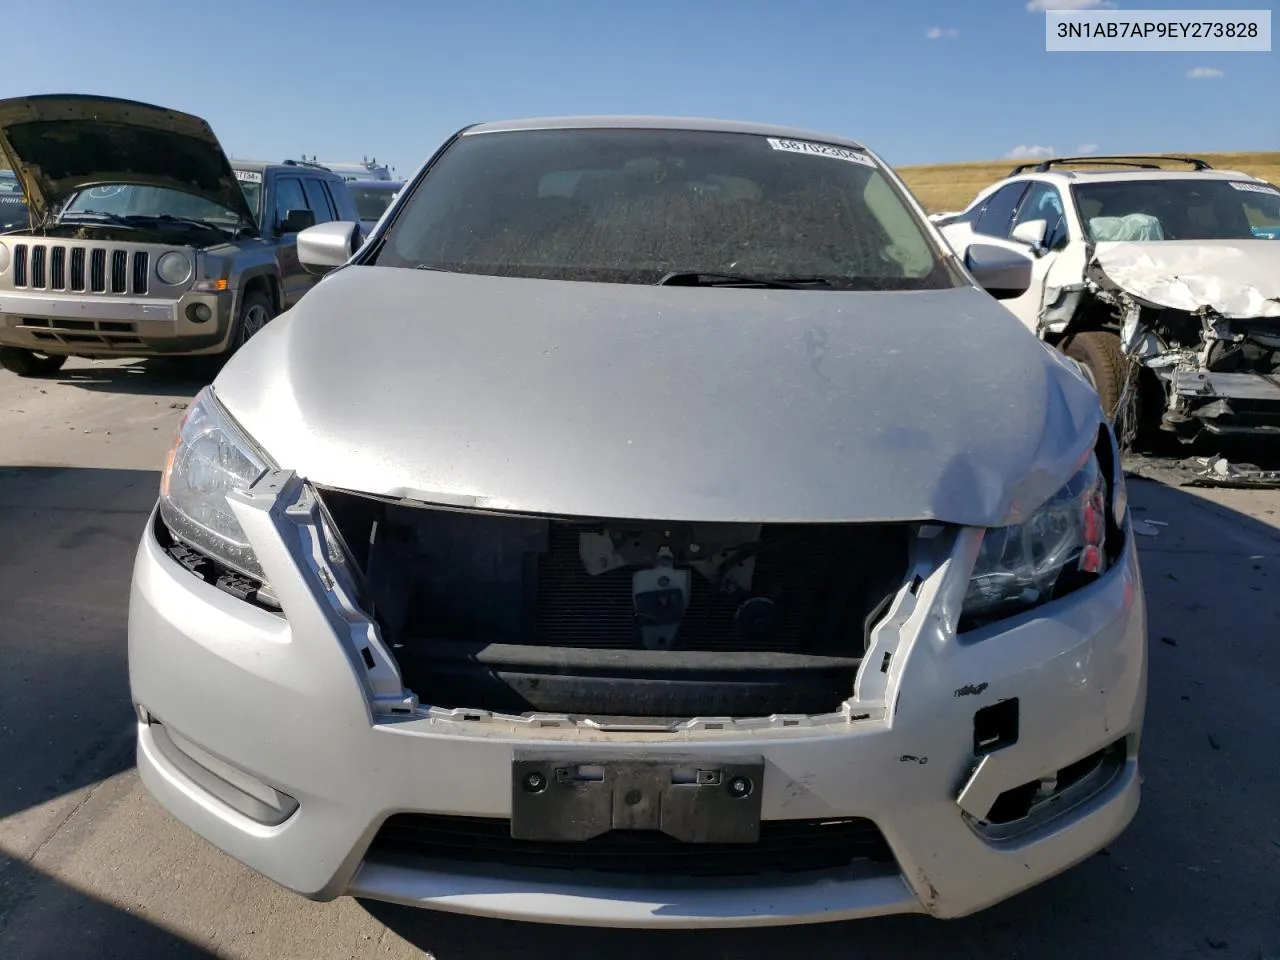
(392,79)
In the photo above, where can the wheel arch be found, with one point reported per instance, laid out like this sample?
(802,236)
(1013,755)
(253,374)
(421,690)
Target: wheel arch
(262,281)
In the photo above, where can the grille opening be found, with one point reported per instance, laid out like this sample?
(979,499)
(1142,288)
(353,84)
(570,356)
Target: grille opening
(119,268)
(58,268)
(98,271)
(519,614)
(77,268)
(784,846)
(141,265)
(20,264)
(38,256)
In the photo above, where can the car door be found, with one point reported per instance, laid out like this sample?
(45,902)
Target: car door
(1014,204)
(294,280)
(1058,259)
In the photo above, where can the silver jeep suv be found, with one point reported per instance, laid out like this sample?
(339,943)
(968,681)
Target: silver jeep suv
(143,238)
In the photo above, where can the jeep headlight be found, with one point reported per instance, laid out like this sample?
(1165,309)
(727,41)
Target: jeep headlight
(1059,548)
(173,268)
(211,456)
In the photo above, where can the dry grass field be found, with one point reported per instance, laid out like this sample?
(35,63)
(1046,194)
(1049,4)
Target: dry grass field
(951,186)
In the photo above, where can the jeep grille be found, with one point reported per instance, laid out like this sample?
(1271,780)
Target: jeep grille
(56,266)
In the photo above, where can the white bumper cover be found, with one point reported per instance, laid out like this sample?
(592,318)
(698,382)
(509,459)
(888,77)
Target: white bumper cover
(290,702)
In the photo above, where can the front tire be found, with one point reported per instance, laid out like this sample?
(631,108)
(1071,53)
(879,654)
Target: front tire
(1104,364)
(28,363)
(256,311)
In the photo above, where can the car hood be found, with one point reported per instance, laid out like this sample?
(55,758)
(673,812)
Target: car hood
(60,143)
(1234,278)
(617,400)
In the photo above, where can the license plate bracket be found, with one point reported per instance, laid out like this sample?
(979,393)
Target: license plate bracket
(693,800)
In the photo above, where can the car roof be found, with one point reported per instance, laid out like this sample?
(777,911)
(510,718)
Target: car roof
(262,166)
(1123,176)
(377,184)
(697,124)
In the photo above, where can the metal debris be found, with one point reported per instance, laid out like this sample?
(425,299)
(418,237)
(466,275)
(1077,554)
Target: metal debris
(1212,471)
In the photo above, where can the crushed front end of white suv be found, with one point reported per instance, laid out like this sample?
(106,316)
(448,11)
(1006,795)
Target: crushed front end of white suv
(682,538)
(1163,283)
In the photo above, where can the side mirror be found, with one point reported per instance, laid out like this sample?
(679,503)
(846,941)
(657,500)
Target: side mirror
(295,221)
(1032,233)
(328,245)
(1005,274)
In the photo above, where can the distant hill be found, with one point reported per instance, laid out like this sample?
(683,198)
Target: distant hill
(950,186)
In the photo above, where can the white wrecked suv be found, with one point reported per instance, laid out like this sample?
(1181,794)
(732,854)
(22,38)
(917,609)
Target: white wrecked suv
(1163,283)
(652,524)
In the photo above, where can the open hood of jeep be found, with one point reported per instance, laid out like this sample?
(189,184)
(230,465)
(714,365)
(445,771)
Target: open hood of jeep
(1238,279)
(59,143)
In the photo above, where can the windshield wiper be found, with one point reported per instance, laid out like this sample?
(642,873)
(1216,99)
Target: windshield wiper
(97,215)
(692,278)
(170,218)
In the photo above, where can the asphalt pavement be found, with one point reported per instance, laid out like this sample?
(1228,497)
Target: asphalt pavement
(91,867)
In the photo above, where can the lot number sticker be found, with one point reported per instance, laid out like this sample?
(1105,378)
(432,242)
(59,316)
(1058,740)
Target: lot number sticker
(820,150)
(248,176)
(1254,187)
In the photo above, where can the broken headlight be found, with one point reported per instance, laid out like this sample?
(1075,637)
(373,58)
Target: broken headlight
(210,457)
(1057,549)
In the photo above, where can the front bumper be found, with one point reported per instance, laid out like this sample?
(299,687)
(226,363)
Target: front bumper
(107,325)
(1230,403)
(308,706)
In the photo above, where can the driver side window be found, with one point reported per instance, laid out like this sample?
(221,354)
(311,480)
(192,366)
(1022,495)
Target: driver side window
(996,219)
(1043,202)
(289,196)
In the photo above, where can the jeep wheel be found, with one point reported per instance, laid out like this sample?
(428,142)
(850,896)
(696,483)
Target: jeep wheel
(256,311)
(28,363)
(1099,353)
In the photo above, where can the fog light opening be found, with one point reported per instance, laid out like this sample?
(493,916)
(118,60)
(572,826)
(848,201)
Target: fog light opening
(234,787)
(199,313)
(1066,786)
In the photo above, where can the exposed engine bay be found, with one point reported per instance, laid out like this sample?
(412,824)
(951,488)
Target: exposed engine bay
(173,232)
(621,618)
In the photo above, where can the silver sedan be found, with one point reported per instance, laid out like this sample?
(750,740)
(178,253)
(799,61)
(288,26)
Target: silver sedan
(651,524)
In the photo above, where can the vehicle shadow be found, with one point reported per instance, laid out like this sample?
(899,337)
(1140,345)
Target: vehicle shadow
(67,539)
(155,376)
(1193,875)
(103,931)
(66,723)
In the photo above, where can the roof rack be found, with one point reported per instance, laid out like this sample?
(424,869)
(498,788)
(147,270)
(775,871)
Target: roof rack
(1119,160)
(305,163)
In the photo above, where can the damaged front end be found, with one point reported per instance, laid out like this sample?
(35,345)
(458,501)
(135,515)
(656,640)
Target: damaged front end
(1210,345)
(620,618)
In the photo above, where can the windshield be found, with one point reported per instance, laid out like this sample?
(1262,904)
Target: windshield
(1179,209)
(631,206)
(13,204)
(133,200)
(251,186)
(372,202)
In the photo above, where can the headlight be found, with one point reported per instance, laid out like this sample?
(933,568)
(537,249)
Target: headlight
(1056,550)
(173,268)
(4,258)
(211,457)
